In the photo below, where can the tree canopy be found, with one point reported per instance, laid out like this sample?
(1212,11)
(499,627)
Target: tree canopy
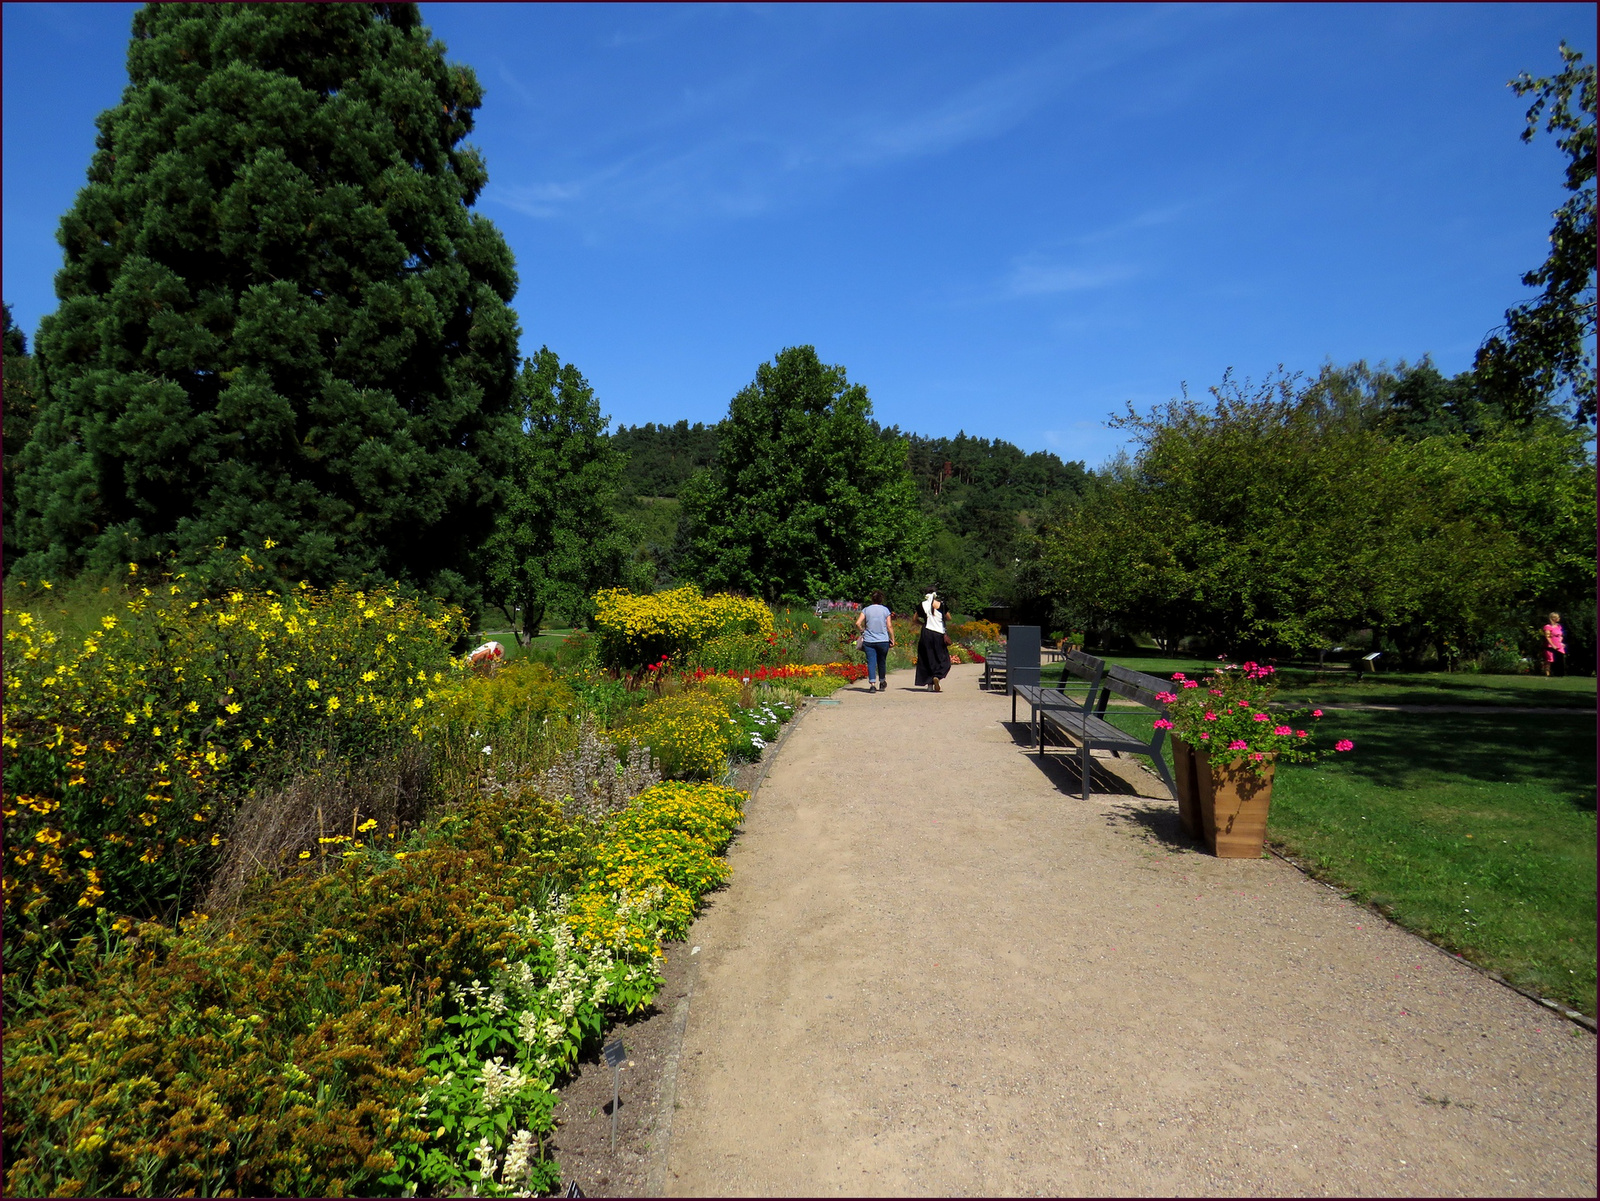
(1279,515)
(558,539)
(804,499)
(279,317)
(1547,343)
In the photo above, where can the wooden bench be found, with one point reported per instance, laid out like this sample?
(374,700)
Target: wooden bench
(994,672)
(1083,721)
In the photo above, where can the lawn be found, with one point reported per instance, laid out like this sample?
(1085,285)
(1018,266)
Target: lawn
(1304,685)
(1477,831)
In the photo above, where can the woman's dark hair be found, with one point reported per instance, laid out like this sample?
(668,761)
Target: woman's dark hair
(877,596)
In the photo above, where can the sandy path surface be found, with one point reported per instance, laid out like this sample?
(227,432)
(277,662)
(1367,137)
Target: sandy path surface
(937,972)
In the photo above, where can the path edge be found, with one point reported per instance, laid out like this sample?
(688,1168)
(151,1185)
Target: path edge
(660,1146)
(1556,1007)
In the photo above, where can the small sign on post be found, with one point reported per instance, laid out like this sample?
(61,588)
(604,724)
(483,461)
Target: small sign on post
(615,1053)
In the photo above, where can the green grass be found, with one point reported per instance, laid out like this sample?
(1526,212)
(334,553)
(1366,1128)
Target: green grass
(1441,688)
(1302,686)
(548,640)
(1477,831)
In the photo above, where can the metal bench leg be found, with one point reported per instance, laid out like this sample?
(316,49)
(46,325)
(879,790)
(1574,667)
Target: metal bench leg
(1086,759)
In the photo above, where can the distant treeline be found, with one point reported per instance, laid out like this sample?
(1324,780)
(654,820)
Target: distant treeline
(983,498)
(662,457)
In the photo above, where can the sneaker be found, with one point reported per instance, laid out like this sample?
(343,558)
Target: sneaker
(883,686)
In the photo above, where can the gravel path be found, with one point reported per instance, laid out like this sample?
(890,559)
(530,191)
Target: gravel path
(937,971)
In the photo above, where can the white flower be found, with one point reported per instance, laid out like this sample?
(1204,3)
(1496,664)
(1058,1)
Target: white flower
(487,749)
(519,1160)
(484,1154)
(495,1084)
(528,1026)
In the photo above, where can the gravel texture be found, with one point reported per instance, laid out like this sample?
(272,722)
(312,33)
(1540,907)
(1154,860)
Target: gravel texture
(938,971)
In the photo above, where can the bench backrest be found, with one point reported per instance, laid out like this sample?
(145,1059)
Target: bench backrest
(1022,656)
(1085,667)
(1136,685)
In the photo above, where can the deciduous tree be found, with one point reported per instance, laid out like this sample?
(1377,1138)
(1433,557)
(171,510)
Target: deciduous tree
(558,538)
(804,499)
(1547,343)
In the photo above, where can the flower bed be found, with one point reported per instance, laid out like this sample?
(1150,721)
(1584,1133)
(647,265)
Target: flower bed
(383,1010)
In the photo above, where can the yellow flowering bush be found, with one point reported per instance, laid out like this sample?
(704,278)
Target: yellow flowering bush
(636,631)
(666,845)
(124,746)
(690,734)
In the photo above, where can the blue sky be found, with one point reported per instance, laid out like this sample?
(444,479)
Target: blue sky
(1006,219)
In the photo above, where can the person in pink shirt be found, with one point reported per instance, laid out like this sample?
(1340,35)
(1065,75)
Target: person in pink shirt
(1555,643)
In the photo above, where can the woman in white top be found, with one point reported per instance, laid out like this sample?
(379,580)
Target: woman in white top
(933,648)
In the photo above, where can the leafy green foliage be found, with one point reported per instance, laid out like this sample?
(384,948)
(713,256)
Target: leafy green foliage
(662,457)
(1281,515)
(558,539)
(1546,342)
(804,500)
(279,316)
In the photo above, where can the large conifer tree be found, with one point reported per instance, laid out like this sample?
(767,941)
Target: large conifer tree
(279,317)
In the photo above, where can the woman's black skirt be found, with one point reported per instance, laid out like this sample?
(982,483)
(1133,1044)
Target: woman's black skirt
(933,657)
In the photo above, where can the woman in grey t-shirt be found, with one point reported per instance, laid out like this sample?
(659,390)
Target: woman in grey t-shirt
(877,636)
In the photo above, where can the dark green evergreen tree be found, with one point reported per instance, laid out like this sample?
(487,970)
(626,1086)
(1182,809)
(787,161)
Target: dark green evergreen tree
(805,500)
(279,317)
(21,406)
(559,538)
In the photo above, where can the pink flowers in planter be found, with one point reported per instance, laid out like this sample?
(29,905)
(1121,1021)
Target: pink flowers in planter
(1344,744)
(1232,707)
(1162,723)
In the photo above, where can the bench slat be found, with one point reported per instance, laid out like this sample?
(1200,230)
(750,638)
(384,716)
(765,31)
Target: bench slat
(1083,722)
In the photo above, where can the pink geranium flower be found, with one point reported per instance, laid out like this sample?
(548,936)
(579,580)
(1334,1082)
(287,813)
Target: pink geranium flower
(1257,756)
(1238,744)
(1344,744)
(1316,713)
(1166,698)
(1282,730)
(1162,723)
(1261,717)
(1205,737)
(1210,716)
(1190,684)
(1299,733)
(1177,675)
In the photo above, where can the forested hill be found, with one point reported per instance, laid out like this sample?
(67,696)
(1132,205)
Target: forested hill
(983,499)
(1006,476)
(662,457)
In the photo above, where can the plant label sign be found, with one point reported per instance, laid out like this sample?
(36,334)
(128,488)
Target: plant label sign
(615,1052)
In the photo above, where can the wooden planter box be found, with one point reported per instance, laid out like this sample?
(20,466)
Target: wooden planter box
(1186,776)
(1233,804)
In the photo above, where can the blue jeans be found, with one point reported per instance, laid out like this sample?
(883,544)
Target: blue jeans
(877,661)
